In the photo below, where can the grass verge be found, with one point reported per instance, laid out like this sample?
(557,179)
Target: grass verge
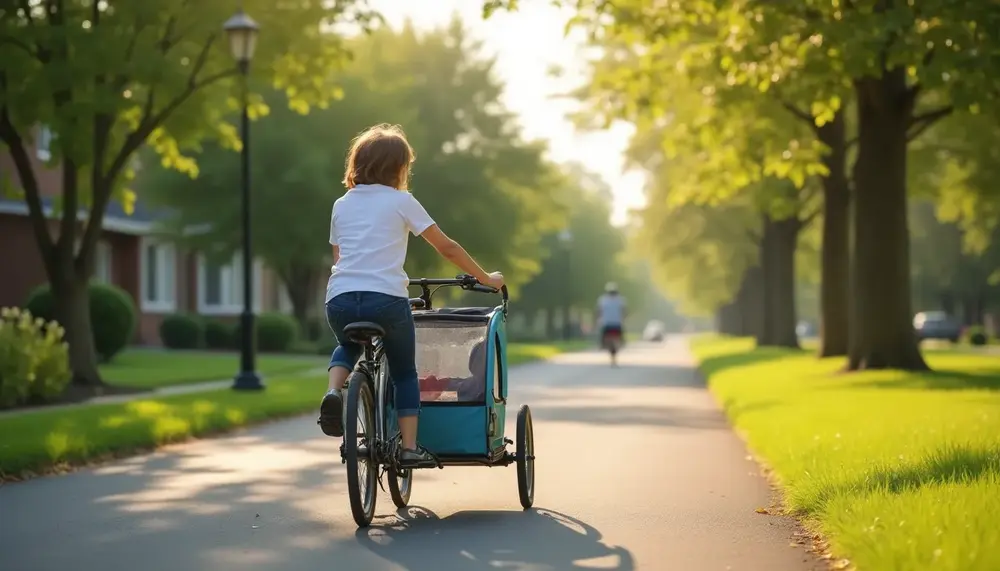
(50,440)
(149,369)
(55,440)
(525,352)
(898,470)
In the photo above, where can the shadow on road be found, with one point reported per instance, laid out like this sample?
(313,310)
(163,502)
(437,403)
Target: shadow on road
(713,365)
(662,415)
(418,540)
(563,375)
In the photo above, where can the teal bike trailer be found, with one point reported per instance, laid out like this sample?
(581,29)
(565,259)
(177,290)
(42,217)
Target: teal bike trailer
(461,358)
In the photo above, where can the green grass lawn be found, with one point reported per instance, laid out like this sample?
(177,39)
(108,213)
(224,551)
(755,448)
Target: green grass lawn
(524,352)
(900,471)
(152,368)
(48,439)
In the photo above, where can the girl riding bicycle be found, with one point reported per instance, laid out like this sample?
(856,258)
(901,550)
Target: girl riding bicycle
(369,230)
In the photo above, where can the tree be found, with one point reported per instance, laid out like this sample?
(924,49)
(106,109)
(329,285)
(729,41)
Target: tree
(740,139)
(908,65)
(574,272)
(954,236)
(108,77)
(473,173)
(296,174)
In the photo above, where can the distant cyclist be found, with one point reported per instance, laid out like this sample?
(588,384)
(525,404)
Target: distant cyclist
(610,317)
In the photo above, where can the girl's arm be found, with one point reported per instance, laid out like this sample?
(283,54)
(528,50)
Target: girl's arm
(336,254)
(454,253)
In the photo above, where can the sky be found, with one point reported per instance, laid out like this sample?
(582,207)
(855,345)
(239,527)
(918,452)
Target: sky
(527,44)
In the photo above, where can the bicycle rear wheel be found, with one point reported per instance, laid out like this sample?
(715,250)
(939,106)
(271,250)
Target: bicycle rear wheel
(359,449)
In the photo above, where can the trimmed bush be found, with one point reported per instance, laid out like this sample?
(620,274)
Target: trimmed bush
(34,359)
(113,316)
(182,331)
(976,335)
(219,335)
(316,328)
(275,332)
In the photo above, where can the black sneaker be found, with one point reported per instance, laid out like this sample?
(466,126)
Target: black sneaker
(331,414)
(419,458)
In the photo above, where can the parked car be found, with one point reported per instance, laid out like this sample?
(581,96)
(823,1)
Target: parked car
(654,331)
(805,330)
(937,325)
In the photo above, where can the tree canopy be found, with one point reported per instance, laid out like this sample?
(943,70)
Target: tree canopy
(485,185)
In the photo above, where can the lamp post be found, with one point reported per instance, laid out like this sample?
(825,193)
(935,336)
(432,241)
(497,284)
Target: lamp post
(242,32)
(566,239)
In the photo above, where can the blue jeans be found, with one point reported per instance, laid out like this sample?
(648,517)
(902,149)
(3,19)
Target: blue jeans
(394,315)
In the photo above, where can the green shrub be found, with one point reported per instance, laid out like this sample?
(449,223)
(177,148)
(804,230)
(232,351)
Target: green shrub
(182,331)
(976,335)
(275,332)
(113,316)
(316,328)
(219,335)
(34,359)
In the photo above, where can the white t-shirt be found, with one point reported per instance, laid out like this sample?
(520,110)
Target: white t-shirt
(612,308)
(371,225)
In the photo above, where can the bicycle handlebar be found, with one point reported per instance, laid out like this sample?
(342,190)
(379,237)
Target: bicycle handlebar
(464,281)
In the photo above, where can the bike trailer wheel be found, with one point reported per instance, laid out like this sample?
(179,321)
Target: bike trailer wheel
(359,449)
(400,486)
(525,457)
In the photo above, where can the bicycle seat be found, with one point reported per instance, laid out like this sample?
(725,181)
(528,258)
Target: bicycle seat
(363,331)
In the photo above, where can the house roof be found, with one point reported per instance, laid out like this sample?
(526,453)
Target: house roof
(141,220)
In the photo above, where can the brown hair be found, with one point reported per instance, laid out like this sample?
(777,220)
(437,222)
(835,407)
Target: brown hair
(379,155)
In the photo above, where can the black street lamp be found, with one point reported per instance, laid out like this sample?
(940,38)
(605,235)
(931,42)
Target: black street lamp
(566,238)
(242,32)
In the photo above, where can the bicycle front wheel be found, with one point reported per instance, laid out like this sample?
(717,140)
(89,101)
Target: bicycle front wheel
(359,449)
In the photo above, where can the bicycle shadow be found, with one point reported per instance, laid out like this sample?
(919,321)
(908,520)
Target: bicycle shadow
(419,540)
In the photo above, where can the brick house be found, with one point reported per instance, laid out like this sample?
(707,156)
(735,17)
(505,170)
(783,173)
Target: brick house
(161,277)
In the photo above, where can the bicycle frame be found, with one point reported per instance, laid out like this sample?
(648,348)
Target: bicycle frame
(370,366)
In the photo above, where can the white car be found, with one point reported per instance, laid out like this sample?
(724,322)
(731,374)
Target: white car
(654,331)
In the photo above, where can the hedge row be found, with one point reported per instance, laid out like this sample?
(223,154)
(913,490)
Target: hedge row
(113,316)
(275,332)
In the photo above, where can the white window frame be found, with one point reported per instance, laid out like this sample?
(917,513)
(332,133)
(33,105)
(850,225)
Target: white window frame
(284,300)
(102,263)
(232,286)
(166,277)
(43,143)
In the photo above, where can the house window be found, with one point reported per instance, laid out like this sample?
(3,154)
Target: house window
(102,263)
(220,285)
(43,143)
(284,300)
(158,267)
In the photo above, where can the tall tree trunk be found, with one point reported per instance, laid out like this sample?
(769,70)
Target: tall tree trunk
(751,302)
(728,320)
(72,308)
(882,333)
(947,302)
(301,284)
(835,251)
(778,243)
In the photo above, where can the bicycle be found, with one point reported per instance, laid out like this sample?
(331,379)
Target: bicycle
(370,403)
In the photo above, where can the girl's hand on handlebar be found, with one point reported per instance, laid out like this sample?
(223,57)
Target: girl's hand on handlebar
(494,280)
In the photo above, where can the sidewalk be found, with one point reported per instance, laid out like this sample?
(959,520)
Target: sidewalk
(152,394)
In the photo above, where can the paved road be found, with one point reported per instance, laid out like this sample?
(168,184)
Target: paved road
(637,469)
